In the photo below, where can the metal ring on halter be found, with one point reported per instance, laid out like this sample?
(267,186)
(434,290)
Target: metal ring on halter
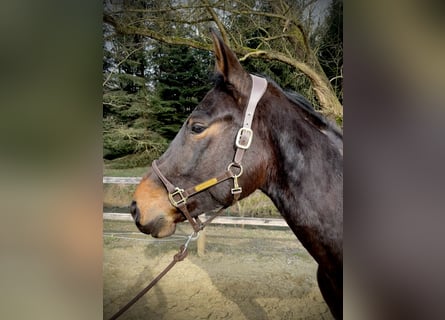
(236,165)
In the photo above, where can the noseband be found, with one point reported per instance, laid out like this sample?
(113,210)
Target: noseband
(178,197)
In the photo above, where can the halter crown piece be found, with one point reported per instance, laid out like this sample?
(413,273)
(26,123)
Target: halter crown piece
(178,197)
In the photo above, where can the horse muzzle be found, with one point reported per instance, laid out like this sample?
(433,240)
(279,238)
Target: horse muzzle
(159,226)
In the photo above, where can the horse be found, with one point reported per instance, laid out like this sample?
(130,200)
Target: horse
(225,151)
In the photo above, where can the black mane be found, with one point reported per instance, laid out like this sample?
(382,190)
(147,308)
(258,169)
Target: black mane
(315,117)
(296,99)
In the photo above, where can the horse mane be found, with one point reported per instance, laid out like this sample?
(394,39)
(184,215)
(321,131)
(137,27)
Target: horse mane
(299,101)
(315,117)
(317,120)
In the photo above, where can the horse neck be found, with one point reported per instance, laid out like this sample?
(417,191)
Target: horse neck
(305,179)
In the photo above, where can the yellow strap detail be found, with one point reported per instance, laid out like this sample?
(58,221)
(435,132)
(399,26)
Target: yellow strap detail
(206,184)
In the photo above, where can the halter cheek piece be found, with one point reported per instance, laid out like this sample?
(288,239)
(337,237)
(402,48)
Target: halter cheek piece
(178,197)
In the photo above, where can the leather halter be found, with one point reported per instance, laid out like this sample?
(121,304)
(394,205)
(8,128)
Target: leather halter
(178,197)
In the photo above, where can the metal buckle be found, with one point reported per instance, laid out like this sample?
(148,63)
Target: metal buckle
(236,190)
(238,141)
(235,165)
(181,201)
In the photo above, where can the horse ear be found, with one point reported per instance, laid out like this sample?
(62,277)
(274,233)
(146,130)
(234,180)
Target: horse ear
(228,66)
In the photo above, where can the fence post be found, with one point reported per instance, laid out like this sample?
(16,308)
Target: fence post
(201,244)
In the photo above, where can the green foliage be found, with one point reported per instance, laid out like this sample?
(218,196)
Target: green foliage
(150,87)
(128,107)
(148,93)
(181,80)
(128,124)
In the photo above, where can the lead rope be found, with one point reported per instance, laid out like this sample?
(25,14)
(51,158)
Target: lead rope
(182,253)
(242,141)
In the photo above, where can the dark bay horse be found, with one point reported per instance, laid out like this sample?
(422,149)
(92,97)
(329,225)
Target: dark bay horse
(230,146)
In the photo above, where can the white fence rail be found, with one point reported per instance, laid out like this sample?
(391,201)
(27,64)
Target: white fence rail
(121,180)
(267,222)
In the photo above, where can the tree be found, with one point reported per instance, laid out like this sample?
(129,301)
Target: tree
(128,104)
(181,78)
(149,90)
(330,53)
(268,30)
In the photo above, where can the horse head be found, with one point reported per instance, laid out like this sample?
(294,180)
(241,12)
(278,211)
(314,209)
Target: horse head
(201,156)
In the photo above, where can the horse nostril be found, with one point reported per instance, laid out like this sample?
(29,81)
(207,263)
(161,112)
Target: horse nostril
(134,209)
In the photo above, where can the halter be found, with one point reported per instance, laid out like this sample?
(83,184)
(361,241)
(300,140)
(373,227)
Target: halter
(178,197)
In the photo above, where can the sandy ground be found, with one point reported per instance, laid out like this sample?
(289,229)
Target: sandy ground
(245,273)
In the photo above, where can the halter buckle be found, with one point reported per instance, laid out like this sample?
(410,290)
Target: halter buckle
(181,201)
(240,140)
(236,188)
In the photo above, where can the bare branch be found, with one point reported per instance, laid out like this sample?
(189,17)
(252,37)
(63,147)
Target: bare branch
(120,28)
(218,22)
(337,77)
(282,39)
(119,64)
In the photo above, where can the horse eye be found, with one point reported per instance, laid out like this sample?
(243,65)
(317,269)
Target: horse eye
(198,128)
